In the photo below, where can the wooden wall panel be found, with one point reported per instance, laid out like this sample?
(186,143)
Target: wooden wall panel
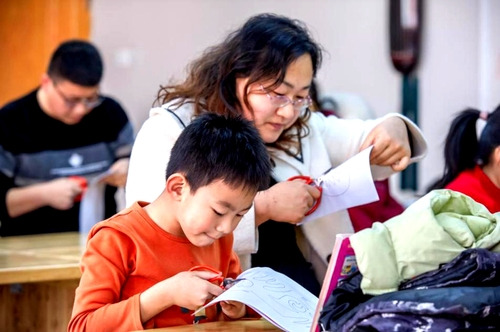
(29,32)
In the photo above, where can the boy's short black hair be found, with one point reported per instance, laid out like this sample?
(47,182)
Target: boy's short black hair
(217,147)
(77,61)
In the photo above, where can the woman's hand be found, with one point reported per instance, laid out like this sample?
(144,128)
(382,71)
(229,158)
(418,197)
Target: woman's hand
(391,146)
(287,201)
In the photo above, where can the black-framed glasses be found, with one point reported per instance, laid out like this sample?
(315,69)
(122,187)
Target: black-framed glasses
(89,103)
(278,101)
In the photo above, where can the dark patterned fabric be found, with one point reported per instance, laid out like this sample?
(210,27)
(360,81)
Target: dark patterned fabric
(463,294)
(35,148)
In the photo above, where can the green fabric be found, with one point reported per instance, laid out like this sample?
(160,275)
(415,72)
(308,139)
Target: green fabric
(431,231)
(410,109)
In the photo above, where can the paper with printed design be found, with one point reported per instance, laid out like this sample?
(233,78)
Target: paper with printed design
(347,185)
(276,297)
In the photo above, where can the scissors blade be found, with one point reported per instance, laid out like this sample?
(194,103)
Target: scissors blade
(230,282)
(318,181)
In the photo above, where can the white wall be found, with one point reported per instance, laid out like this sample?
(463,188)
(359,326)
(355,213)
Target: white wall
(146,43)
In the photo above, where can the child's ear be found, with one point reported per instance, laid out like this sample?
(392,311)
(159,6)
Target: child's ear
(177,185)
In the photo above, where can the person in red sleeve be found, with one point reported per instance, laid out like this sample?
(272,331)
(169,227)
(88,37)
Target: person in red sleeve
(472,157)
(137,270)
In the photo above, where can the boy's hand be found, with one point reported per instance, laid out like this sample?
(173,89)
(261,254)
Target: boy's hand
(189,289)
(193,290)
(233,309)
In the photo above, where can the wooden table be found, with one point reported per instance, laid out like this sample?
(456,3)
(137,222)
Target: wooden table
(249,325)
(38,278)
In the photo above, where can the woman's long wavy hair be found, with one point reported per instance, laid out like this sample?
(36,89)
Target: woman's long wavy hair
(463,150)
(262,49)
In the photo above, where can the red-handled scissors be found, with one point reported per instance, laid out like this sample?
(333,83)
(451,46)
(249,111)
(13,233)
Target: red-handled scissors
(219,279)
(311,181)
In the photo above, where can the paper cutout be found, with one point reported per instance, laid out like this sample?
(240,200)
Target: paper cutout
(347,185)
(92,204)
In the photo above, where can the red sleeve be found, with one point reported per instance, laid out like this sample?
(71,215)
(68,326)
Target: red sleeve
(97,305)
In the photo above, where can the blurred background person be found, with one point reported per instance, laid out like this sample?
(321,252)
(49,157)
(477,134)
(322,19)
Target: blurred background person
(472,157)
(55,139)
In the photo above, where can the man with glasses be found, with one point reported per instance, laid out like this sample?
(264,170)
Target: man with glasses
(56,139)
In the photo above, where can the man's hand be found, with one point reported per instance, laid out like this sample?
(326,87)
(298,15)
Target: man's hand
(61,193)
(117,173)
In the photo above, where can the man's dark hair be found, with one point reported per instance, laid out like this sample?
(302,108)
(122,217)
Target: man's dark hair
(215,147)
(77,61)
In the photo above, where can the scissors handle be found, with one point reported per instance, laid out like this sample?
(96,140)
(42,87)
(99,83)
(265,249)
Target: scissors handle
(310,181)
(305,178)
(218,279)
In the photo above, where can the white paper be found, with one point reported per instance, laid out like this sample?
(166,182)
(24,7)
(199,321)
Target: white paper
(92,204)
(276,297)
(349,184)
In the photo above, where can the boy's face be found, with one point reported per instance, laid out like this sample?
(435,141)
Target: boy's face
(212,212)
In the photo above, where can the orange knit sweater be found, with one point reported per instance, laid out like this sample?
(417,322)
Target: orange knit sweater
(126,255)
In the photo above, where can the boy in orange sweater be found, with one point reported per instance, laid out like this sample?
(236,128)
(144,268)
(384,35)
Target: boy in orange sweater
(136,267)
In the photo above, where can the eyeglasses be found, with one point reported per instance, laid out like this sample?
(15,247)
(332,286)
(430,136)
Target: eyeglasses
(89,103)
(278,101)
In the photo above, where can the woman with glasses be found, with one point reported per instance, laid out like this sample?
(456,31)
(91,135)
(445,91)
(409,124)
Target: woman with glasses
(263,71)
